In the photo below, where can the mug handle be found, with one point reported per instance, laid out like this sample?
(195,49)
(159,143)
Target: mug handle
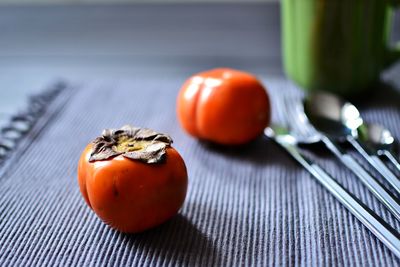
(392,53)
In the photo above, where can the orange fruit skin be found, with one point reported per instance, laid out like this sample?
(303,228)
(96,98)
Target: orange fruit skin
(225,106)
(132,196)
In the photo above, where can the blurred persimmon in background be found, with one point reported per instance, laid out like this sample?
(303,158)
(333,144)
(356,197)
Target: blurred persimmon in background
(224,106)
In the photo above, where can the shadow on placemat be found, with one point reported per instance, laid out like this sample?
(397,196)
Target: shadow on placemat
(176,241)
(383,95)
(260,151)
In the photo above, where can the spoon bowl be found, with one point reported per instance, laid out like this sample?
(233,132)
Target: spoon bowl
(333,115)
(382,141)
(341,121)
(379,138)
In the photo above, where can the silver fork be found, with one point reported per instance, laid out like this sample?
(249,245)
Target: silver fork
(307,134)
(373,222)
(367,217)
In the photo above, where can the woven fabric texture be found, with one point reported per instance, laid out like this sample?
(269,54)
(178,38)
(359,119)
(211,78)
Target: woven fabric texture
(246,206)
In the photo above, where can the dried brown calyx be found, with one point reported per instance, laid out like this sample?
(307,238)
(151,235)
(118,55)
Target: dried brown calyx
(131,142)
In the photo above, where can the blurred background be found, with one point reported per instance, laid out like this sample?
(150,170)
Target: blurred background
(123,1)
(82,40)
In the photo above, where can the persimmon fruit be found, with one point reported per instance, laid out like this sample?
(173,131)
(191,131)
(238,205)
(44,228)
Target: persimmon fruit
(223,105)
(132,178)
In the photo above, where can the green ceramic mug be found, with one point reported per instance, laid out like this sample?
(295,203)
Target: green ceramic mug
(337,45)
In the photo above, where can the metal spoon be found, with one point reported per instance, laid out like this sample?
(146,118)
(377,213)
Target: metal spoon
(341,121)
(306,134)
(381,141)
(372,221)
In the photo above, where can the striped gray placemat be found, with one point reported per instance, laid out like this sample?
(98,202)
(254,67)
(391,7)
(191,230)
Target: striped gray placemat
(249,206)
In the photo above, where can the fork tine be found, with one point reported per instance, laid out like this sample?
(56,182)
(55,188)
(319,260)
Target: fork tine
(304,127)
(299,119)
(382,230)
(280,111)
(308,128)
(288,114)
(291,110)
(311,129)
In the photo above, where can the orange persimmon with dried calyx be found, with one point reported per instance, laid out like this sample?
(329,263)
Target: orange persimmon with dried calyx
(224,106)
(132,178)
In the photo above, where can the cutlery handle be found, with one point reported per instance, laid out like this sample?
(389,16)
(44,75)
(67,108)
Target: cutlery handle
(377,163)
(367,217)
(392,159)
(370,182)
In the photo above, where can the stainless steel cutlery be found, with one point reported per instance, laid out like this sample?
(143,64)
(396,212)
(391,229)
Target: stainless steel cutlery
(327,120)
(340,120)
